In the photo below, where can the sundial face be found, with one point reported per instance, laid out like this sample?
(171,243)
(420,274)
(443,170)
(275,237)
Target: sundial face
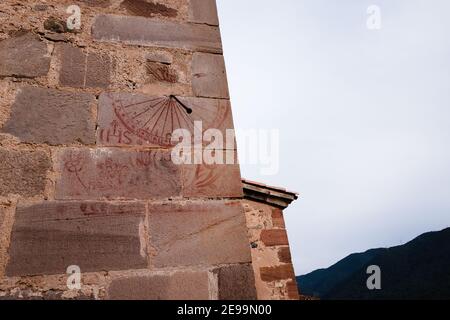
(154,120)
(137,119)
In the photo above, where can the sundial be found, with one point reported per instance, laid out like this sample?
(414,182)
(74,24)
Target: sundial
(155,119)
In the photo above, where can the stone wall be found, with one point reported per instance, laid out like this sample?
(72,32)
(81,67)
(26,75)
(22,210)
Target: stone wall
(86,175)
(272,264)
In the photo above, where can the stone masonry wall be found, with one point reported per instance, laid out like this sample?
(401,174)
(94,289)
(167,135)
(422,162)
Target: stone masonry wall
(272,264)
(86,175)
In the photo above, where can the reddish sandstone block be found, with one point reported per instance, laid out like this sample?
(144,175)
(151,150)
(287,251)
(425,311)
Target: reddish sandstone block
(52,116)
(24,56)
(198,233)
(203,11)
(137,119)
(236,283)
(292,290)
(278,219)
(282,272)
(148,9)
(81,70)
(216,180)
(23,172)
(50,236)
(284,255)
(153,33)
(115,173)
(209,76)
(274,237)
(189,285)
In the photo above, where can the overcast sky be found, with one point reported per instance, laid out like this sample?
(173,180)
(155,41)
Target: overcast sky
(364,116)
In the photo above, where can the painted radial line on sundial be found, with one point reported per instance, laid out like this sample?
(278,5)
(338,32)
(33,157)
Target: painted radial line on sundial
(154,120)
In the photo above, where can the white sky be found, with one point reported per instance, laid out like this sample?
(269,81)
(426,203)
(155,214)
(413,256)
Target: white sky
(363,116)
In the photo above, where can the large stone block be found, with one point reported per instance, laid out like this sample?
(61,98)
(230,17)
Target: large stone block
(23,172)
(148,9)
(126,119)
(281,272)
(96,236)
(52,116)
(203,11)
(24,56)
(274,237)
(84,70)
(236,283)
(198,233)
(115,173)
(214,180)
(147,32)
(209,76)
(189,285)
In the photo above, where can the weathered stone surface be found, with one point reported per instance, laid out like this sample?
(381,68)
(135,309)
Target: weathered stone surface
(161,57)
(274,237)
(209,76)
(177,286)
(49,237)
(237,283)
(278,219)
(96,3)
(24,56)
(136,119)
(55,25)
(148,9)
(52,116)
(215,180)
(198,233)
(81,70)
(23,172)
(147,32)
(281,272)
(159,72)
(2,215)
(292,290)
(203,11)
(284,255)
(114,173)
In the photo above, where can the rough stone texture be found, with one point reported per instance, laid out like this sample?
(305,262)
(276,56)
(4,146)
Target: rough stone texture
(236,283)
(50,236)
(198,233)
(284,254)
(292,290)
(114,173)
(275,237)
(147,32)
(23,172)
(51,116)
(203,11)
(96,3)
(24,56)
(134,119)
(278,219)
(81,70)
(281,272)
(148,9)
(272,265)
(209,76)
(159,72)
(2,215)
(177,286)
(161,57)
